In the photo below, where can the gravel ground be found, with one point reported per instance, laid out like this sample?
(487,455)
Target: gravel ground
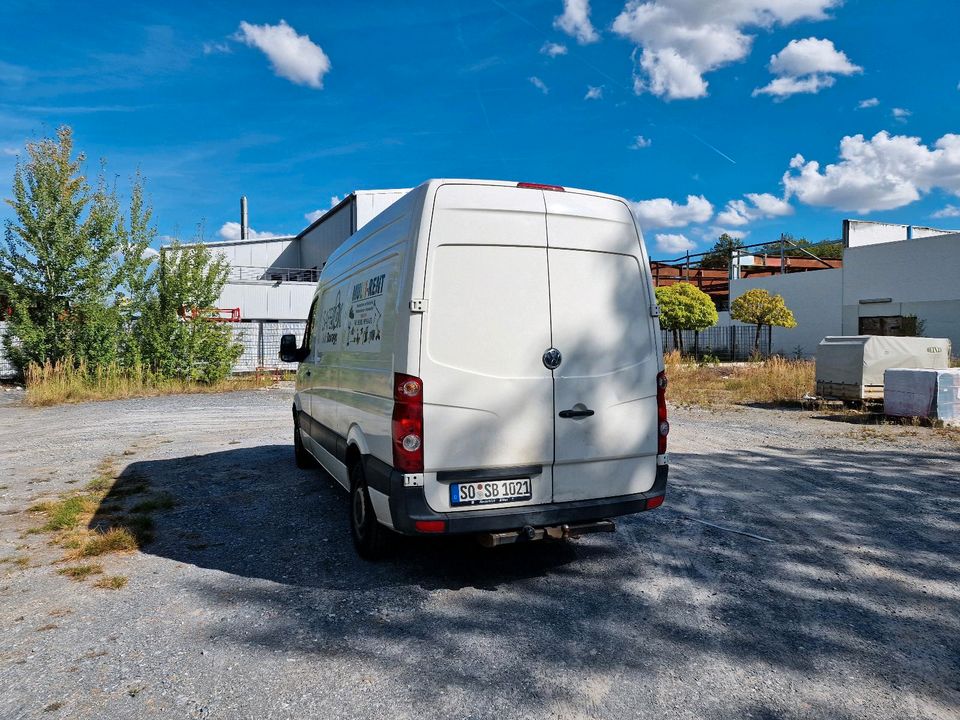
(250,603)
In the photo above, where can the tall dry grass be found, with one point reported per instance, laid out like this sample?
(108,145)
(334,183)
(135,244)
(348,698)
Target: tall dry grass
(67,381)
(775,381)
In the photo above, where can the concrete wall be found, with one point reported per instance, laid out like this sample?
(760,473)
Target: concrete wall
(857,233)
(815,299)
(268,300)
(920,277)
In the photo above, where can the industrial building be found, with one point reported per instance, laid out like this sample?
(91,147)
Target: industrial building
(271,280)
(892,280)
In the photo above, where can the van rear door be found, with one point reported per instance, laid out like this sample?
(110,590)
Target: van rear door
(488,399)
(605,386)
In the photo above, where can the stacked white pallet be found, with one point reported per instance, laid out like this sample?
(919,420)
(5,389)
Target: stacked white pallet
(933,394)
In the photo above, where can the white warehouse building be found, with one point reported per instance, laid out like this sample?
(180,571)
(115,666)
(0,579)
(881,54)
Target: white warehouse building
(271,280)
(895,279)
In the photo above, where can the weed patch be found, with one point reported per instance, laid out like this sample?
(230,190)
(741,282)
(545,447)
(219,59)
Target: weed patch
(97,543)
(111,582)
(81,572)
(775,381)
(71,382)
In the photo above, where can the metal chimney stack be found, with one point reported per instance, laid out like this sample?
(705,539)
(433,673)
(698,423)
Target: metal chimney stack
(243,217)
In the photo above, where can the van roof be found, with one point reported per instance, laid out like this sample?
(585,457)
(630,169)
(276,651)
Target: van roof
(515,183)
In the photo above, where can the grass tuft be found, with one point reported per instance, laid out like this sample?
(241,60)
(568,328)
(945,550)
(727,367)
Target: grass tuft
(116,539)
(81,572)
(111,582)
(69,382)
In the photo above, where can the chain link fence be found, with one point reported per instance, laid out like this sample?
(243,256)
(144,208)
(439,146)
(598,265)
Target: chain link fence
(261,343)
(730,342)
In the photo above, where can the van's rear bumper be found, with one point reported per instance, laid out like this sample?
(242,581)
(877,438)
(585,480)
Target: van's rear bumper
(408,506)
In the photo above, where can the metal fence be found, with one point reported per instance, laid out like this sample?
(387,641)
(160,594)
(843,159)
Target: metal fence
(7,370)
(728,342)
(261,343)
(276,274)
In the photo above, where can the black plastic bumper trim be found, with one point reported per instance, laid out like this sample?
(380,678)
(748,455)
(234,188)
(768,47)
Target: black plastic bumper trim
(409,505)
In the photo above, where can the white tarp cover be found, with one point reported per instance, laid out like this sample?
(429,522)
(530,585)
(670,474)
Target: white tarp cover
(922,393)
(862,359)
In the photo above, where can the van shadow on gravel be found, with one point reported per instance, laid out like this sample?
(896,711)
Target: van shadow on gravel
(251,512)
(858,586)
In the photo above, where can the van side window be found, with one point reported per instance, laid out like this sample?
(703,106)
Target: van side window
(311,321)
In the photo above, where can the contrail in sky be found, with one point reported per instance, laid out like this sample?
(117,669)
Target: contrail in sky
(718,152)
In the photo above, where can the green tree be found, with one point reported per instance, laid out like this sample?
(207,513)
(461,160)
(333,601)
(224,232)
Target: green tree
(758,307)
(718,257)
(59,263)
(685,307)
(177,334)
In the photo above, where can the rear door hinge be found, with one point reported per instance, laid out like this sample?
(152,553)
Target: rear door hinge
(418,305)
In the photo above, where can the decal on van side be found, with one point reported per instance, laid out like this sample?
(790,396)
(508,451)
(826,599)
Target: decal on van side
(331,320)
(365,315)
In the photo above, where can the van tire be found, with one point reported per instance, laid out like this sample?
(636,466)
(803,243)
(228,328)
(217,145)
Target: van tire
(303,458)
(370,538)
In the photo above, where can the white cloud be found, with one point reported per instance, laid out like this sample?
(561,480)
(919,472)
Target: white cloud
(806,66)
(640,142)
(947,212)
(868,103)
(882,173)
(216,48)
(674,243)
(294,57)
(663,212)
(681,40)
(553,49)
(315,215)
(149,253)
(760,205)
(575,21)
(594,93)
(10,151)
(715,231)
(900,114)
(231,231)
(539,84)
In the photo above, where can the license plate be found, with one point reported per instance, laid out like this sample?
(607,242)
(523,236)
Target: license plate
(490,492)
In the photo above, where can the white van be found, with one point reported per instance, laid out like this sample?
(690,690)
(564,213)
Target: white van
(484,357)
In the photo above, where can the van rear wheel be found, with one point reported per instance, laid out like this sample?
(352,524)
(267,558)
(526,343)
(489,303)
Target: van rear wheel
(303,458)
(370,538)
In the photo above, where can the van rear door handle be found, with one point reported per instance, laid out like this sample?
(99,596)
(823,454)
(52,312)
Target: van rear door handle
(575,413)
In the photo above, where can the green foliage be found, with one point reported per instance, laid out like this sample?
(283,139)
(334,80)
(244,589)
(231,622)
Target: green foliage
(685,307)
(175,331)
(825,249)
(76,272)
(719,256)
(758,307)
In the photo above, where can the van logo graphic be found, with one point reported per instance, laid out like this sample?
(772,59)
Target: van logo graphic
(552,358)
(933,349)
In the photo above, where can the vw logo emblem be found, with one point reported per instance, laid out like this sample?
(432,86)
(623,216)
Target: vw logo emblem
(552,358)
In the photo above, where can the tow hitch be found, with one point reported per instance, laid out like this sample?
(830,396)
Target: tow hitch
(555,532)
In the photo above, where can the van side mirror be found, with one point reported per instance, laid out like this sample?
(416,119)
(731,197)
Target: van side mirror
(289,352)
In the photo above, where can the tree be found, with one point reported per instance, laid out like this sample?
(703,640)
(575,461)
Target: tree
(685,307)
(80,280)
(719,256)
(758,307)
(178,338)
(59,263)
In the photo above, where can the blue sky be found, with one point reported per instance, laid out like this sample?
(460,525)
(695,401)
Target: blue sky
(694,111)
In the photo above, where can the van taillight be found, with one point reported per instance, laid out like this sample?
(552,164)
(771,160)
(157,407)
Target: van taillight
(407,426)
(663,427)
